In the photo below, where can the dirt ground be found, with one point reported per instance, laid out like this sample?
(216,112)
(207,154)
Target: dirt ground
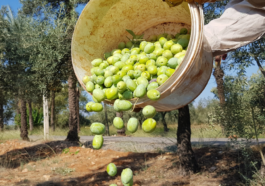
(63,163)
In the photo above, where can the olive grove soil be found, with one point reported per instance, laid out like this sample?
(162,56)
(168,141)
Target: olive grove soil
(64,163)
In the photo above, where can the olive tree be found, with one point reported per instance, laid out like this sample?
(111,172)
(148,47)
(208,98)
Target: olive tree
(34,7)
(16,68)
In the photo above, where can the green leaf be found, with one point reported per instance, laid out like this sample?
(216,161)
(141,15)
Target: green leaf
(66,150)
(141,36)
(131,32)
(76,152)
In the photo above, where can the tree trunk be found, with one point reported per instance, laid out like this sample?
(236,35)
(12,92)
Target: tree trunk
(1,111)
(53,110)
(18,106)
(219,75)
(17,103)
(46,117)
(72,134)
(188,162)
(30,116)
(120,132)
(106,119)
(164,121)
(77,109)
(23,128)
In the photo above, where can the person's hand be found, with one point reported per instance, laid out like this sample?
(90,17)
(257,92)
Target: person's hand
(224,57)
(218,59)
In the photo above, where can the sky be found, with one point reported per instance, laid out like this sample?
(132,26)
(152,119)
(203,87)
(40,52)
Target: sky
(15,6)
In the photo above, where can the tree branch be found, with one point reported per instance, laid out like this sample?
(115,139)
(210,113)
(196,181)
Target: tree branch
(259,65)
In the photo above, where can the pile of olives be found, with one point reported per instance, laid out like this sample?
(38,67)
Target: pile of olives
(133,71)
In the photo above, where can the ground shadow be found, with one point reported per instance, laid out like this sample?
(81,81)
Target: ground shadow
(99,177)
(217,161)
(14,158)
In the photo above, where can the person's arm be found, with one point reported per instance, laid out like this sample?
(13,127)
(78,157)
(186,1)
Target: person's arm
(255,3)
(240,24)
(178,2)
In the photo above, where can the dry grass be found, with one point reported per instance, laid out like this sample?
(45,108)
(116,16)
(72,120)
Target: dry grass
(198,131)
(9,134)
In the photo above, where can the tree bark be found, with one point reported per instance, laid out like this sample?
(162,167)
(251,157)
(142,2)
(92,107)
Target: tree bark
(1,111)
(72,134)
(77,109)
(73,121)
(53,110)
(120,132)
(18,106)
(46,125)
(188,162)
(164,121)
(219,75)
(30,116)
(17,103)
(23,128)
(106,119)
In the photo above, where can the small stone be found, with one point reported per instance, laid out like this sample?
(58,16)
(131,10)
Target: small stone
(162,157)
(212,169)
(46,177)
(17,178)
(25,170)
